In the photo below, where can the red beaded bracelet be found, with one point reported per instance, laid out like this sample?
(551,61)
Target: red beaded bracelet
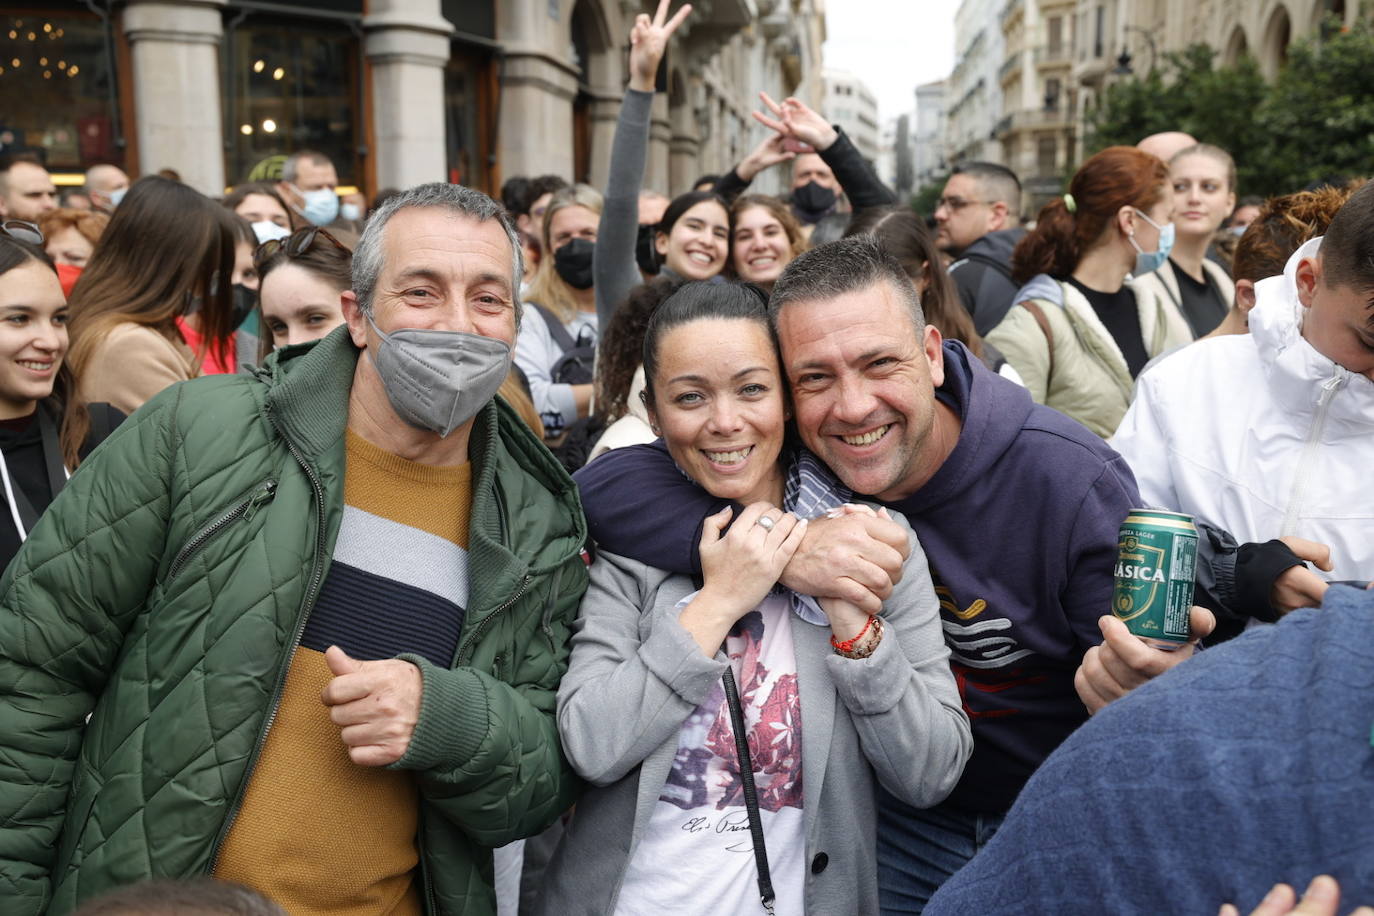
(847,645)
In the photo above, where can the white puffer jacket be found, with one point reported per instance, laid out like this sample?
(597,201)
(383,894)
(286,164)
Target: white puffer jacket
(1260,434)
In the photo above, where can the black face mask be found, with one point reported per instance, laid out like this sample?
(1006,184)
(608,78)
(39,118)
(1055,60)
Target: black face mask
(574,263)
(812,202)
(245,300)
(646,256)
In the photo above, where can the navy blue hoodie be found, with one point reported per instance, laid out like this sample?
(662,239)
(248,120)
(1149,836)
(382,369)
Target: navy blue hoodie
(1020,527)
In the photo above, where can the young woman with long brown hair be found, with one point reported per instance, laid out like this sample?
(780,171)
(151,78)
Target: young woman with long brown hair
(1081,330)
(155,301)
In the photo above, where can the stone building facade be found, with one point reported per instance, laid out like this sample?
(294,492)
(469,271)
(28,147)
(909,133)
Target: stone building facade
(1036,127)
(395,91)
(973,93)
(848,102)
(1113,36)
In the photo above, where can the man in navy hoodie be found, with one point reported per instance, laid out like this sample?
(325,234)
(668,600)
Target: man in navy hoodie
(1016,506)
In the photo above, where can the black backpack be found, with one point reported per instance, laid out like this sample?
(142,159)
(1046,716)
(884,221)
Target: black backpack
(574,367)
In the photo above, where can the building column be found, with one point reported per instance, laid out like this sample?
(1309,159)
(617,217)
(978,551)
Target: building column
(174,48)
(683,168)
(407,44)
(536,126)
(656,176)
(605,111)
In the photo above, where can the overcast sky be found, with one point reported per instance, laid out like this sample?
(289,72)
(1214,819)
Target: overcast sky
(892,45)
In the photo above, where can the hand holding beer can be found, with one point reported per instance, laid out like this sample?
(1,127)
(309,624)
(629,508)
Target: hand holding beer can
(1156,562)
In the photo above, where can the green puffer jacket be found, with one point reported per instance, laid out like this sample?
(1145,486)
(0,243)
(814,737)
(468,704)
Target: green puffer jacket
(163,594)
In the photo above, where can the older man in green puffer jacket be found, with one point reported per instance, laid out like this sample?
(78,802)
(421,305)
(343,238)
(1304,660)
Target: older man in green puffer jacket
(317,616)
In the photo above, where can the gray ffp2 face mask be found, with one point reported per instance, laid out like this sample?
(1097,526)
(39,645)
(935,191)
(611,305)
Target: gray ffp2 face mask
(438,380)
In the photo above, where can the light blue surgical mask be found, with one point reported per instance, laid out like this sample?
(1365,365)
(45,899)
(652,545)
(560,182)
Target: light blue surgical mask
(320,207)
(1147,261)
(117,196)
(351,212)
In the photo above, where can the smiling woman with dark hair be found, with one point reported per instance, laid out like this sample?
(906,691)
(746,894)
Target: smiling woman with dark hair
(45,429)
(732,687)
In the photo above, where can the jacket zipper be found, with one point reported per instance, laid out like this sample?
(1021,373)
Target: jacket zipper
(470,639)
(1329,389)
(316,577)
(473,637)
(246,508)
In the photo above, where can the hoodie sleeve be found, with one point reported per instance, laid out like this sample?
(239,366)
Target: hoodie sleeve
(639,505)
(1092,548)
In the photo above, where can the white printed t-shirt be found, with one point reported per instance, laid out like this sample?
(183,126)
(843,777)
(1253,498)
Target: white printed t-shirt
(696,854)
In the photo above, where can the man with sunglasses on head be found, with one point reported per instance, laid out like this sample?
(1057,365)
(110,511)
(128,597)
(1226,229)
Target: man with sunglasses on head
(977,224)
(303,629)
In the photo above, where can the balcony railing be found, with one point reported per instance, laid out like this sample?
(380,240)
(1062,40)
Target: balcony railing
(1009,66)
(1059,54)
(1032,118)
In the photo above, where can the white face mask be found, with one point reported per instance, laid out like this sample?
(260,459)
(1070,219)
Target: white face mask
(351,212)
(117,196)
(268,231)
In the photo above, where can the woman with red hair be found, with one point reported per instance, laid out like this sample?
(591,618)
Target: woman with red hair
(1081,329)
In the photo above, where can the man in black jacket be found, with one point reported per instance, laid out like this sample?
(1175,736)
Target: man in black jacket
(977,224)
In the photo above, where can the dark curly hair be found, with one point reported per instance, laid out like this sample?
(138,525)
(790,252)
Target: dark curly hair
(621,347)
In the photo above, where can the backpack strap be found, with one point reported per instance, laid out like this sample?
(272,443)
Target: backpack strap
(1043,320)
(556,330)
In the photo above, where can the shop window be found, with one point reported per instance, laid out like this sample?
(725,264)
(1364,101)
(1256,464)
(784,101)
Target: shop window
(469,90)
(292,84)
(58,99)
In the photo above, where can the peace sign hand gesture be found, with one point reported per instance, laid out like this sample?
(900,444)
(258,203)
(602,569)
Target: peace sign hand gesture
(805,129)
(648,41)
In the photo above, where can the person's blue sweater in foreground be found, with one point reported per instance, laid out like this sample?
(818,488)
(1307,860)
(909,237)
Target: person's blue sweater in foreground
(1248,765)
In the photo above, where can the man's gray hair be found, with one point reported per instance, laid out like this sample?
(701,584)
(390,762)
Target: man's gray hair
(839,268)
(367,257)
(292,166)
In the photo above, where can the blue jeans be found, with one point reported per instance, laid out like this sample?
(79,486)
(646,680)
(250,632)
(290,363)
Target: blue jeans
(918,850)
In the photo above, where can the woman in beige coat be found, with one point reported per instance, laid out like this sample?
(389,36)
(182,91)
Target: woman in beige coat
(1203,179)
(1081,330)
(160,276)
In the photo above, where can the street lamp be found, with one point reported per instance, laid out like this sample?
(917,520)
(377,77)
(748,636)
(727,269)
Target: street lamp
(1123,61)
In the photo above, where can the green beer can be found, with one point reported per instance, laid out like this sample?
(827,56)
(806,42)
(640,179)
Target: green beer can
(1155,564)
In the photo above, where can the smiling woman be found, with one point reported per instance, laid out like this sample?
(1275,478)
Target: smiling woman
(45,430)
(701,768)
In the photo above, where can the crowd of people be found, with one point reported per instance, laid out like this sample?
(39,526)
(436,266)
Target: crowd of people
(594,551)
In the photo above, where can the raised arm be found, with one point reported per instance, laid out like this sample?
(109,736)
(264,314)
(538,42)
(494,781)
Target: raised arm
(614,270)
(793,118)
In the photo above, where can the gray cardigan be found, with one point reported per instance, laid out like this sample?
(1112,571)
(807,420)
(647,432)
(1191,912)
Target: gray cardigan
(636,675)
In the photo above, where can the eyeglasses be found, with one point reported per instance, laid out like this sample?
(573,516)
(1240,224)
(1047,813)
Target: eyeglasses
(296,245)
(22,230)
(955,203)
